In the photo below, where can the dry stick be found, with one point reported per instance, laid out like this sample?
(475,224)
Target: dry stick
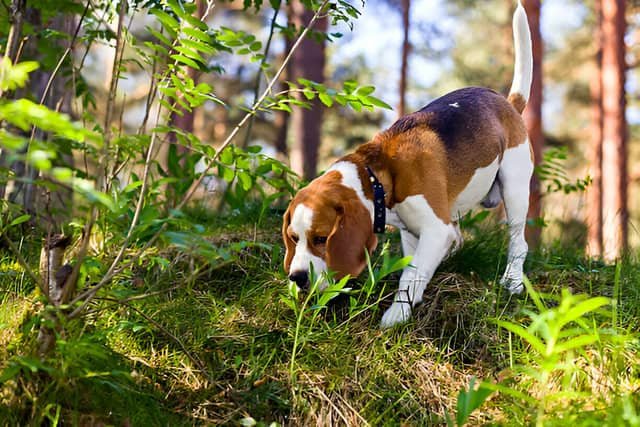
(90,294)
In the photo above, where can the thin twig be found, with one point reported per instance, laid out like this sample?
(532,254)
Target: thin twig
(256,85)
(93,213)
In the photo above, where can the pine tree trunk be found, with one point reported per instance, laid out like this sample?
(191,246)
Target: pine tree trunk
(308,62)
(614,131)
(533,116)
(594,193)
(404,68)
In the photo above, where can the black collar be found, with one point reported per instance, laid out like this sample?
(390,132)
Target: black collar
(379,208)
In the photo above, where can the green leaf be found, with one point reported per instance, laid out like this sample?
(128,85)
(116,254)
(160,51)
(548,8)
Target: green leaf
(11,141)
(400,264)
(168,22)
(470,400)
(245,180)
(583,308)
(377,102)
(198,46)
(578,342)
(365,90)
(62,174)
(226,156)
(186,61)
(20,220)
(325,98)
(161,37)
(525,335)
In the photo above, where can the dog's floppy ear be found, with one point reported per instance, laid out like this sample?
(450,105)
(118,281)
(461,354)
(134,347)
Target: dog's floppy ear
(289,244)
(352,233)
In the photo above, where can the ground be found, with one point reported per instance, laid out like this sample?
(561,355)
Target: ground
(220,340)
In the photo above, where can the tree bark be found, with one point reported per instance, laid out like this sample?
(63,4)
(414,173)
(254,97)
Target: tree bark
(533,116)
(594,193)
(614,131)
(308,61)
(404,67)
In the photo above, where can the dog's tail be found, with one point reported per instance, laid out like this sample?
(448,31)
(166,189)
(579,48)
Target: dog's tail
(523,67)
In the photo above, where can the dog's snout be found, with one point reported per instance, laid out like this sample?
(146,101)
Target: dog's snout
(300,278)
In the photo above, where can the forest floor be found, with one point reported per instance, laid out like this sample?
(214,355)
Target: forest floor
(193,342)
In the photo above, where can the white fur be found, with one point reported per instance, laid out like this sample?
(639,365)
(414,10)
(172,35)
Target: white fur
(428,239)
(433,241)
(515,173)
(523,66)
(351,179)
(475,191)
(301,221)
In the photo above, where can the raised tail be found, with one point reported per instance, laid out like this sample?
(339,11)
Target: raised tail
(523,67)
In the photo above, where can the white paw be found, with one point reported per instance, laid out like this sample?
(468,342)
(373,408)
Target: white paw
(399,312)
(513,284)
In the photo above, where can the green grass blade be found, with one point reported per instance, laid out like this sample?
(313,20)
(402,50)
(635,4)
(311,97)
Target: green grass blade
(534,341)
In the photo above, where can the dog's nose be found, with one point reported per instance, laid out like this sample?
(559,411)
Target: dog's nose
(301,278)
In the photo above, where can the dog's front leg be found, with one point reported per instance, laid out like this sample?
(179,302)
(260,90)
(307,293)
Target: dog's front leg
(430,249)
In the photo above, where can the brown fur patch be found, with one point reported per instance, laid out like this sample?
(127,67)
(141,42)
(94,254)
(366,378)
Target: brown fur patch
(420,154)
(433,152)
(518,102)
(339,216)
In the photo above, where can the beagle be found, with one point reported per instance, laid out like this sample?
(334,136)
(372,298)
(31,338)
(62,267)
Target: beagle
(421,175)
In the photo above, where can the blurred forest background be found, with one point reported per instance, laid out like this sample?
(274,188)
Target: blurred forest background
(583,112)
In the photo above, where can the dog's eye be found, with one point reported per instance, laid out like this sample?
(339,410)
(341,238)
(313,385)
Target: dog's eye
(319,240)
(294,238)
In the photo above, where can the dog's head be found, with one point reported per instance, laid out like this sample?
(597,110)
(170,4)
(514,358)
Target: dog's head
(326,226)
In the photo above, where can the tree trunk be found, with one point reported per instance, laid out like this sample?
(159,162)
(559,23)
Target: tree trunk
(533,116)
(614,131)
(404,68)
(594,193)
(308,61)
(52,206)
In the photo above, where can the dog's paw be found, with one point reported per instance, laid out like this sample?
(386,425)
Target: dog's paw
(513,284)
(398,313)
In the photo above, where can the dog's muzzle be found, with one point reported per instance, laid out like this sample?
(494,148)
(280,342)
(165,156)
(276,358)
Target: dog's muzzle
(300,278)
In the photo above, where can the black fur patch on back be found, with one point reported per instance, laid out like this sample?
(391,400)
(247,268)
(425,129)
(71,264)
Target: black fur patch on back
(454,117)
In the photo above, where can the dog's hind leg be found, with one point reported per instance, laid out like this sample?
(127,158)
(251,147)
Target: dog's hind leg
(515,174)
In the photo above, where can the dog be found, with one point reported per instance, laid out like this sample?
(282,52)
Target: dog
(421,175)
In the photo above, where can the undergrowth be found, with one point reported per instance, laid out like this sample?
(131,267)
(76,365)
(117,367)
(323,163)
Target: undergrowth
(194,342)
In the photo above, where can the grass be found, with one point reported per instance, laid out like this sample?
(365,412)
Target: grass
(212,343)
